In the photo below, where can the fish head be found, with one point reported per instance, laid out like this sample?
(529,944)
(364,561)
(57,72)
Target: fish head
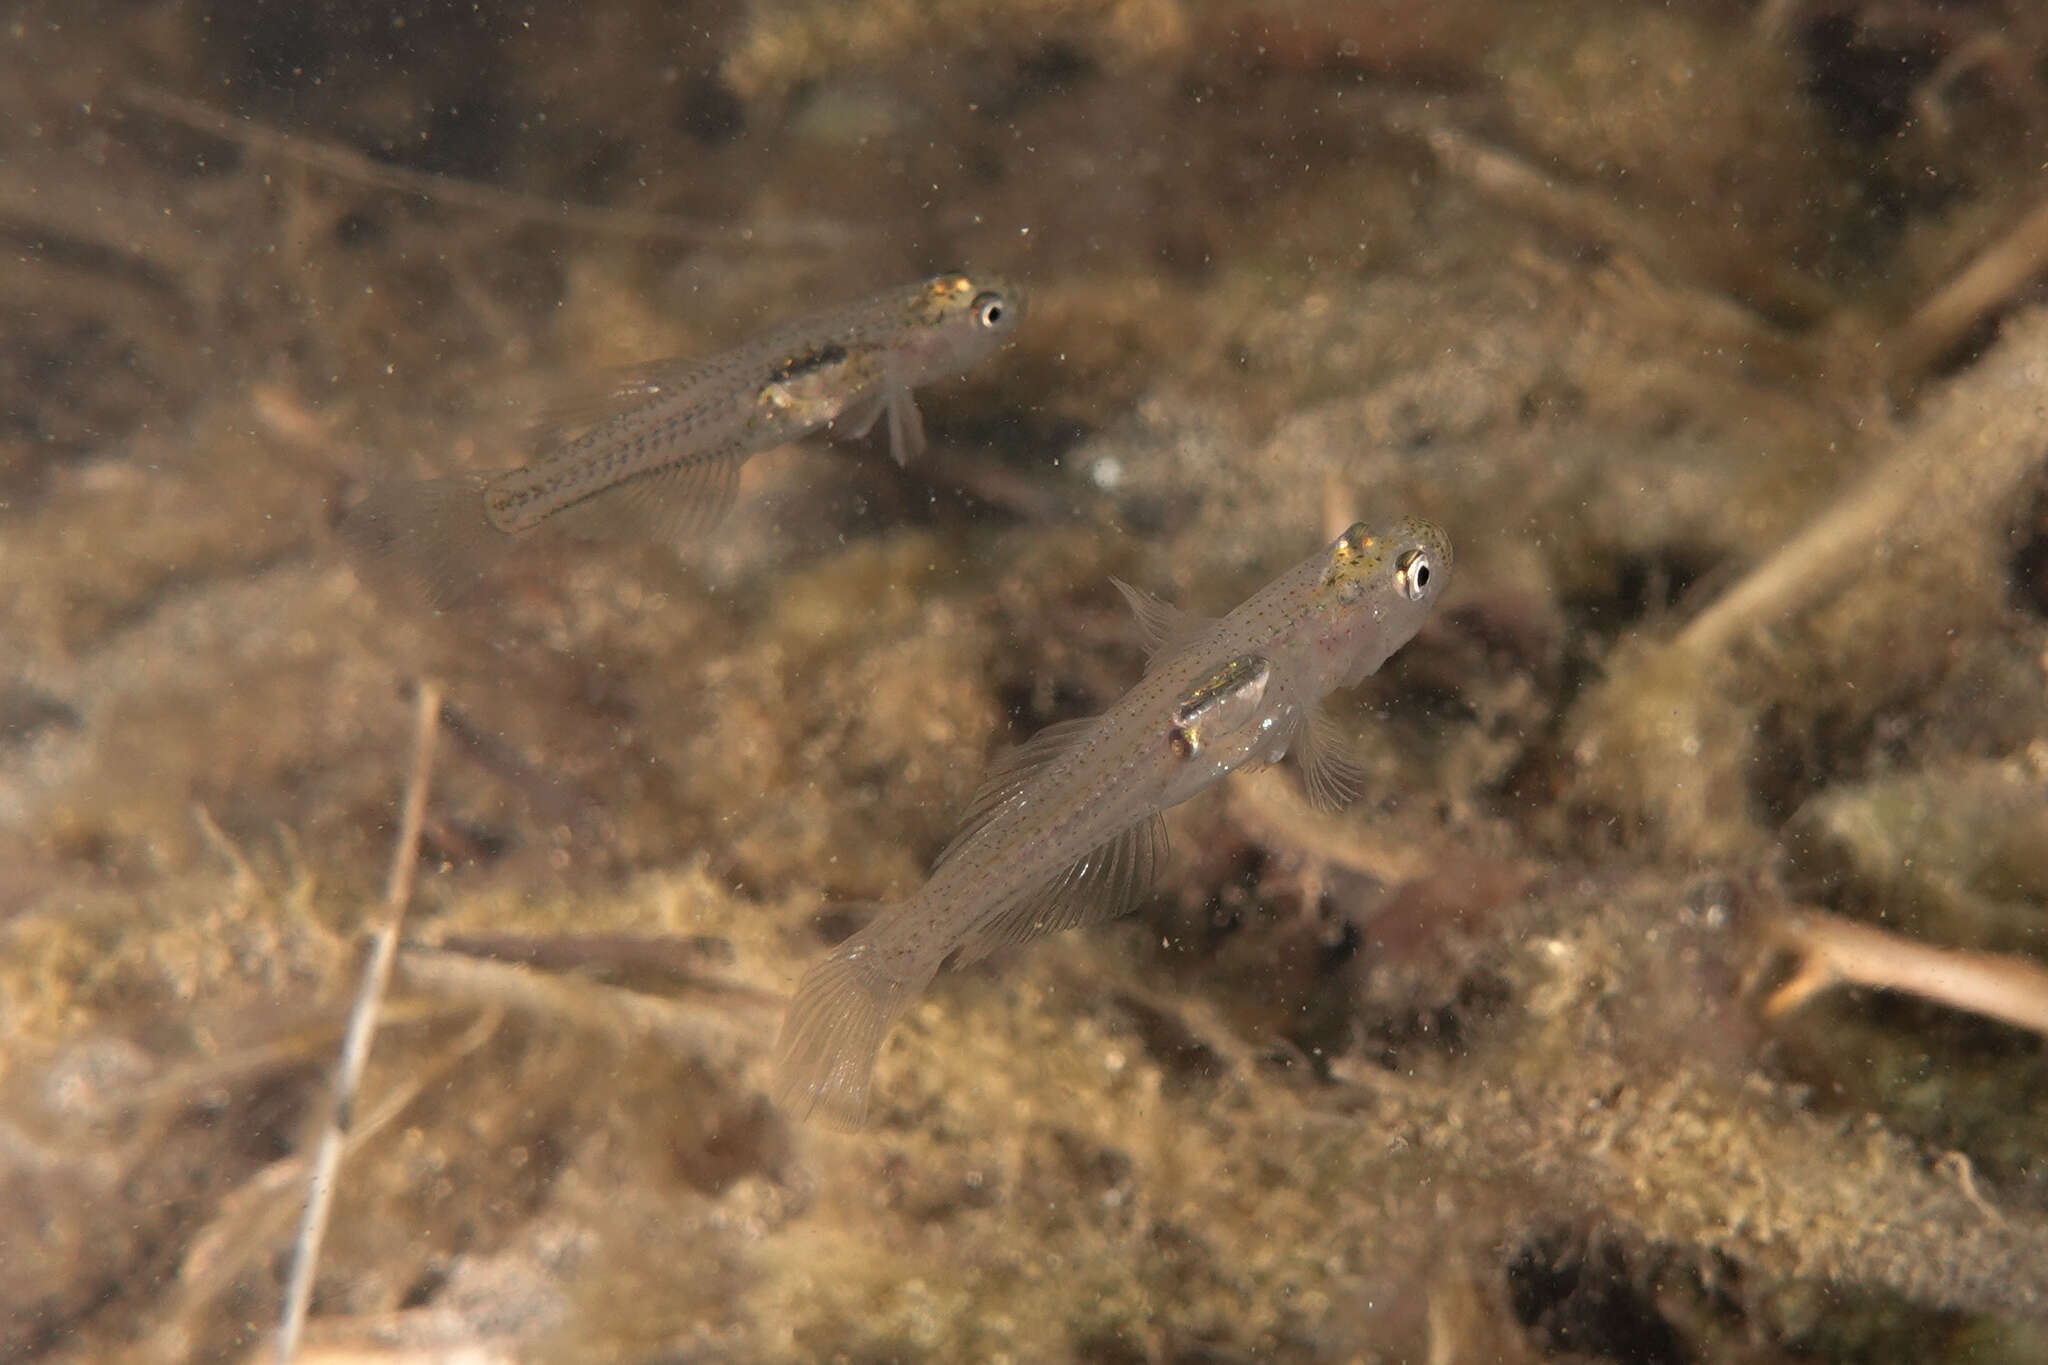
(958,320)
(1378,586)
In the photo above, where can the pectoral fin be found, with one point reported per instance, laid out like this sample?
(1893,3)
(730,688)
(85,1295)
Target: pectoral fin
(906,427)
(1330,771)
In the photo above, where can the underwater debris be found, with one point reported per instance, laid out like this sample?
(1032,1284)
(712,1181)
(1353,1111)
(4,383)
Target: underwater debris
(1833,951)
(1859,611)
(362,1024)
(1955,853)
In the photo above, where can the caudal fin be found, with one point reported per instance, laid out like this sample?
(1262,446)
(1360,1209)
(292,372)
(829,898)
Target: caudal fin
(842,1010)
(434,534)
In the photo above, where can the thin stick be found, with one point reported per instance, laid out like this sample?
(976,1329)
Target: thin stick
(712,1031)
(1954,475)
(250,1215)
(352,165)
(362,1024)
(1990,281)
(1835,951)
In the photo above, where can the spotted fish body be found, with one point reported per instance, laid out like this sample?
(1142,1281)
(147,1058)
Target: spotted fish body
(1066,829)
(664,442)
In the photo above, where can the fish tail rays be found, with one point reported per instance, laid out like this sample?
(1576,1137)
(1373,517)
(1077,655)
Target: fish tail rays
(842,1011)
(430,534)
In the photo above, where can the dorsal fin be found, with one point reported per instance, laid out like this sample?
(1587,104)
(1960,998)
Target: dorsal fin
(1164,628)
(610,394)
(1009,772)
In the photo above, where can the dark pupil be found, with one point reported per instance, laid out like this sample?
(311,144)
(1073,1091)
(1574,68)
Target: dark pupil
(992,313)
(1422,575)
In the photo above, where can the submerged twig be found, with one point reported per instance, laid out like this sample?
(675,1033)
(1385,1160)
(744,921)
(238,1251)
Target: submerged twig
(350,165)
(1833,951)
(1273,812)
(1594,214)
(251,1214)
(710,1030)
(1990,281)
(362,1026)
(1953,477)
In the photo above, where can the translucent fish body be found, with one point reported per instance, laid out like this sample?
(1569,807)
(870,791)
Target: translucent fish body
(659,448)
(1066,829)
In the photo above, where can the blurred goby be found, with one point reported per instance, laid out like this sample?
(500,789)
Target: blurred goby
(658,449)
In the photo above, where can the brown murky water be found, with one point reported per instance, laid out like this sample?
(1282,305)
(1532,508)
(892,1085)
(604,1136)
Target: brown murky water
(1710,333)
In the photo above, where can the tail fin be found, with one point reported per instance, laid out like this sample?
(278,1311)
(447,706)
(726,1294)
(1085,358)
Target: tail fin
(434,533)
(833,1032)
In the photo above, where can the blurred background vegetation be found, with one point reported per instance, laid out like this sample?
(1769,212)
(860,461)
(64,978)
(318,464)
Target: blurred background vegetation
(1709,331)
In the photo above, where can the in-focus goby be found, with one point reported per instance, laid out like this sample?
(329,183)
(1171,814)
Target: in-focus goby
(1066,829)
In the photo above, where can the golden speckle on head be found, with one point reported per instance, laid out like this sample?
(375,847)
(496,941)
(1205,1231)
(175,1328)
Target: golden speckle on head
(1353,544)
(942,298)
(1356,554)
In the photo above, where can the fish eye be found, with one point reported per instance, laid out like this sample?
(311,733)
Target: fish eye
(991,310)
(1412,571)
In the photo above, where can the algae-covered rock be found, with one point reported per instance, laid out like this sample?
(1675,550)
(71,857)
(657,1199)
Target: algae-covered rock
(1958,856)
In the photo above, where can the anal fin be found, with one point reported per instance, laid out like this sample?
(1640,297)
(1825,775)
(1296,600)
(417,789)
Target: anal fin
(667,503)
(1107,883)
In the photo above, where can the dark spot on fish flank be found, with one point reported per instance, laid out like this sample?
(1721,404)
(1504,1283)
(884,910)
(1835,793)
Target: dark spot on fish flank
(809,362)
